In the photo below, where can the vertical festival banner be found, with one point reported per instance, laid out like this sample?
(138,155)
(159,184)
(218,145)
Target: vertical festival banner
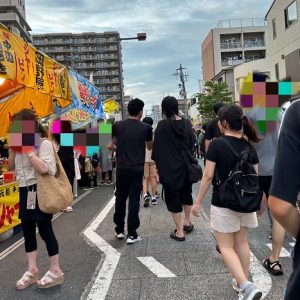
(9,206)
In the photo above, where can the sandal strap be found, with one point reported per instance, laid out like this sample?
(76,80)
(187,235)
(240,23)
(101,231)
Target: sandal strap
(274,264)
(25,278)
(49,277)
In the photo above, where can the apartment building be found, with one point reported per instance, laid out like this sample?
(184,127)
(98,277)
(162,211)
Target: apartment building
(88,53)
(230,43)
(283,38)
(13,16)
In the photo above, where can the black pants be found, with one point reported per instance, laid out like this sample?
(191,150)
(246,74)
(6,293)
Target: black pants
(129,182)
(46,233)
(109,175)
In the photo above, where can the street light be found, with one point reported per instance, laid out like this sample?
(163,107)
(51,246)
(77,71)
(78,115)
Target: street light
(140,37)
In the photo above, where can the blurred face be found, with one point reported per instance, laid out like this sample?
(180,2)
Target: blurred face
(23,136)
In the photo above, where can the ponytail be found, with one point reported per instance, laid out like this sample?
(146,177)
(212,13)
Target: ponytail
(249,130)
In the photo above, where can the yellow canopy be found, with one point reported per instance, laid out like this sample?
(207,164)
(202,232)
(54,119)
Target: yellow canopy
(28,79)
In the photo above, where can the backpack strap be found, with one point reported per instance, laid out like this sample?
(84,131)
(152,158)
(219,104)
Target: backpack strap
(241,156)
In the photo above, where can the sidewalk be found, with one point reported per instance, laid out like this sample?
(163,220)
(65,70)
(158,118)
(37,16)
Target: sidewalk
(199,270)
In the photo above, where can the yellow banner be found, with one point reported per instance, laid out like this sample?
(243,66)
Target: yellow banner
(30,66)
(9,206)
(34,79)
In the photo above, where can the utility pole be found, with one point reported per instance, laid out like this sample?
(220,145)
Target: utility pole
(182,75)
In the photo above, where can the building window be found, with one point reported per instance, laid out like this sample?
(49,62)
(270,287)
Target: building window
(274,29)
(290,14)
(277,71)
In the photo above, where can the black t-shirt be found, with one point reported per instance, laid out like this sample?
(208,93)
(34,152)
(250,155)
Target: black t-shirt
(286,180)
(170,138)
(225,160)
(3,151)
(131,136)
(212,130)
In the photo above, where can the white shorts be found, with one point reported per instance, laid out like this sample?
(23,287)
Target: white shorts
(225,220)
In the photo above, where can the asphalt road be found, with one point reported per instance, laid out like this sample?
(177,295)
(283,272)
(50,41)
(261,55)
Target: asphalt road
(198,270)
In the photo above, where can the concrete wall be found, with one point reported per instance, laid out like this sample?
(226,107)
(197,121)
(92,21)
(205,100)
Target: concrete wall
(236,30)
(207,50)
(287,41)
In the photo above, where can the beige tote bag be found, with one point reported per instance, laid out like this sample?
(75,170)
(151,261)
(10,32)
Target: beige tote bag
(54,193)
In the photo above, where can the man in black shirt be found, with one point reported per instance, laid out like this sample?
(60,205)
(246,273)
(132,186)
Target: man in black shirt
(128,139)
(212,130)
(286,186)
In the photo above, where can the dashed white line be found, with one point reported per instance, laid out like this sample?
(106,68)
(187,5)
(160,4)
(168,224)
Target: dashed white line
(156,267)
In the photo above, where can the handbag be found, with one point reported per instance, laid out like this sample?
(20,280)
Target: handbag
(195,172)
(54,192)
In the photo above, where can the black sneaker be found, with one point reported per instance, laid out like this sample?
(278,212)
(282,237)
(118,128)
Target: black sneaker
(147,200)
(154,201)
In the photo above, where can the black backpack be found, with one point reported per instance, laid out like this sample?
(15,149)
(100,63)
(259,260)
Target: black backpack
(240,191)
(95,161)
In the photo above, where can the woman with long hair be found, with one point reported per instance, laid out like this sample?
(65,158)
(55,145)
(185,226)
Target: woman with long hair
(174,139)
(28,167)
(231,227)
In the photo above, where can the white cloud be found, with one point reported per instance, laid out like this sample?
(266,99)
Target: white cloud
(175,30)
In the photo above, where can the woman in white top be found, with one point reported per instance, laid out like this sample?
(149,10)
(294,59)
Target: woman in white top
(28,167)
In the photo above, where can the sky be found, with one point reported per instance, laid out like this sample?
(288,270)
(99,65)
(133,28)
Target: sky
(175,30)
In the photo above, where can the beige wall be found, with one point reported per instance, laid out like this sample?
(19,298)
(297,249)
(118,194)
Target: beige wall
(287,40)
(207,50)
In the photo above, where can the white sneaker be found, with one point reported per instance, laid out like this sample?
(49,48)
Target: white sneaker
(120,236)
(250,293)
(235,286)
(132,240)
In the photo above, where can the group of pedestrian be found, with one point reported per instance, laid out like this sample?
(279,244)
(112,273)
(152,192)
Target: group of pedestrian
(235,154)
(133,141)
(243,167)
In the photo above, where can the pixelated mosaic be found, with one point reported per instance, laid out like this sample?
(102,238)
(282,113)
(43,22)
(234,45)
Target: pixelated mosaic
(265,98)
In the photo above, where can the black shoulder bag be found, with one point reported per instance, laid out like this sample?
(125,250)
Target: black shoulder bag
(194,169)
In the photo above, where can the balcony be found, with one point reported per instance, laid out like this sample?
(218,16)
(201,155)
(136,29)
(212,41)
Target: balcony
(231,62)
(231,45)
(254,43)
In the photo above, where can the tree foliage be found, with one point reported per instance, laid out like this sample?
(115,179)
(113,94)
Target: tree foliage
(213,93)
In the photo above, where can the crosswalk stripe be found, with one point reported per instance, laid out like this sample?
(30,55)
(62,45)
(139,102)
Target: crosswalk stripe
(283,252)
(156,267)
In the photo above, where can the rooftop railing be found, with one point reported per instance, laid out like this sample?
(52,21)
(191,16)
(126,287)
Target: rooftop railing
(250,22)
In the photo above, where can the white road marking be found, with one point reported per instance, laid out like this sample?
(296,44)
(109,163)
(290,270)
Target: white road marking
(283,252)
(156,267)
(107,267)
(20,242)
(260,276)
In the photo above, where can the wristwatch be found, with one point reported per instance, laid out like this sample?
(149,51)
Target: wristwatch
(30,155)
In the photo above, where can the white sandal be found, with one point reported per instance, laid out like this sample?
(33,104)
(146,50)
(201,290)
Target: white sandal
(50,279)
(26,280)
